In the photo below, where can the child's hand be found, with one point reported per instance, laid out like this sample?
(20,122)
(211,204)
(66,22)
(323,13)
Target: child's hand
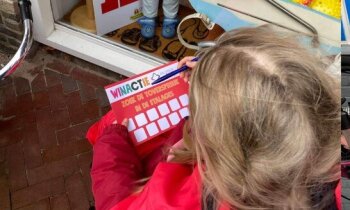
(125,122)
(187,61)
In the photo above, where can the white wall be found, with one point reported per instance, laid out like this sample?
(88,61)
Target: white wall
(62,7)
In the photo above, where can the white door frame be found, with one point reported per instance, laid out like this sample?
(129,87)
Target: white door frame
(112,56)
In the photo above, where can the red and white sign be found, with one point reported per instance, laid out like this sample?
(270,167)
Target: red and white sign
(151,109)
(113,14)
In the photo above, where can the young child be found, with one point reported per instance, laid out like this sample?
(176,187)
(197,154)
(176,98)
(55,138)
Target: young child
(263,133)
(150,12)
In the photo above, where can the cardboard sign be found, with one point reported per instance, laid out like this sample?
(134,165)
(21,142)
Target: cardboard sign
(113,14)
(328,28)
(151,109)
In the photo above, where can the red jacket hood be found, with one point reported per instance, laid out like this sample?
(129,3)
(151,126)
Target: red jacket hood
(172,186)
(175,187)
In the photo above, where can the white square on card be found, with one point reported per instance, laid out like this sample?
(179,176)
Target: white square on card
(140,135)
(184,112)
(141,119)
(131,125)
(174,104)
(152,114)
(152,129)
(163,109)
(184,100)
(163,124)
(174,118)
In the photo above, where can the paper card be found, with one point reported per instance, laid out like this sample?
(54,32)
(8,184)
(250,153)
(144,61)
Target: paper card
(151,109)
(113,14)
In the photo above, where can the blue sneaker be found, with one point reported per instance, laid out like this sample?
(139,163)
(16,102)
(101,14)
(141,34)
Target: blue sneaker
(169,27)
(148,27)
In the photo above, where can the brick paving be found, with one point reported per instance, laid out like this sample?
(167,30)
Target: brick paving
(46,108)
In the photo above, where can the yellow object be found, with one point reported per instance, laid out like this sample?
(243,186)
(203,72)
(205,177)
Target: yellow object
(80,18)
(305,2)
(328,7)
(83,17)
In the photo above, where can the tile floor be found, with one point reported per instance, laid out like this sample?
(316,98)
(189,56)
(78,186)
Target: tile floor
(46,108)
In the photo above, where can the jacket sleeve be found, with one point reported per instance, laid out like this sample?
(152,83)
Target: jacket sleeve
(115,167)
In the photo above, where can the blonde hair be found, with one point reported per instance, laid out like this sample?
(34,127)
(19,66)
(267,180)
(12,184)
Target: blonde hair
(264,123)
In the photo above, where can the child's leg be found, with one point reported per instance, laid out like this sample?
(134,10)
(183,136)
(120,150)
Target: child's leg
(170,21)
(148,22)
(150,8)
(170,8)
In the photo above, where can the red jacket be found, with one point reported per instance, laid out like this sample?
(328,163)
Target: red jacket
(117,166)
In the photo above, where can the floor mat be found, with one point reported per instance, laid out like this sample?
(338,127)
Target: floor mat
(192,30)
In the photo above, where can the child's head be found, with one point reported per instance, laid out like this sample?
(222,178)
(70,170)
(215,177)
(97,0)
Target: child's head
(264,121)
